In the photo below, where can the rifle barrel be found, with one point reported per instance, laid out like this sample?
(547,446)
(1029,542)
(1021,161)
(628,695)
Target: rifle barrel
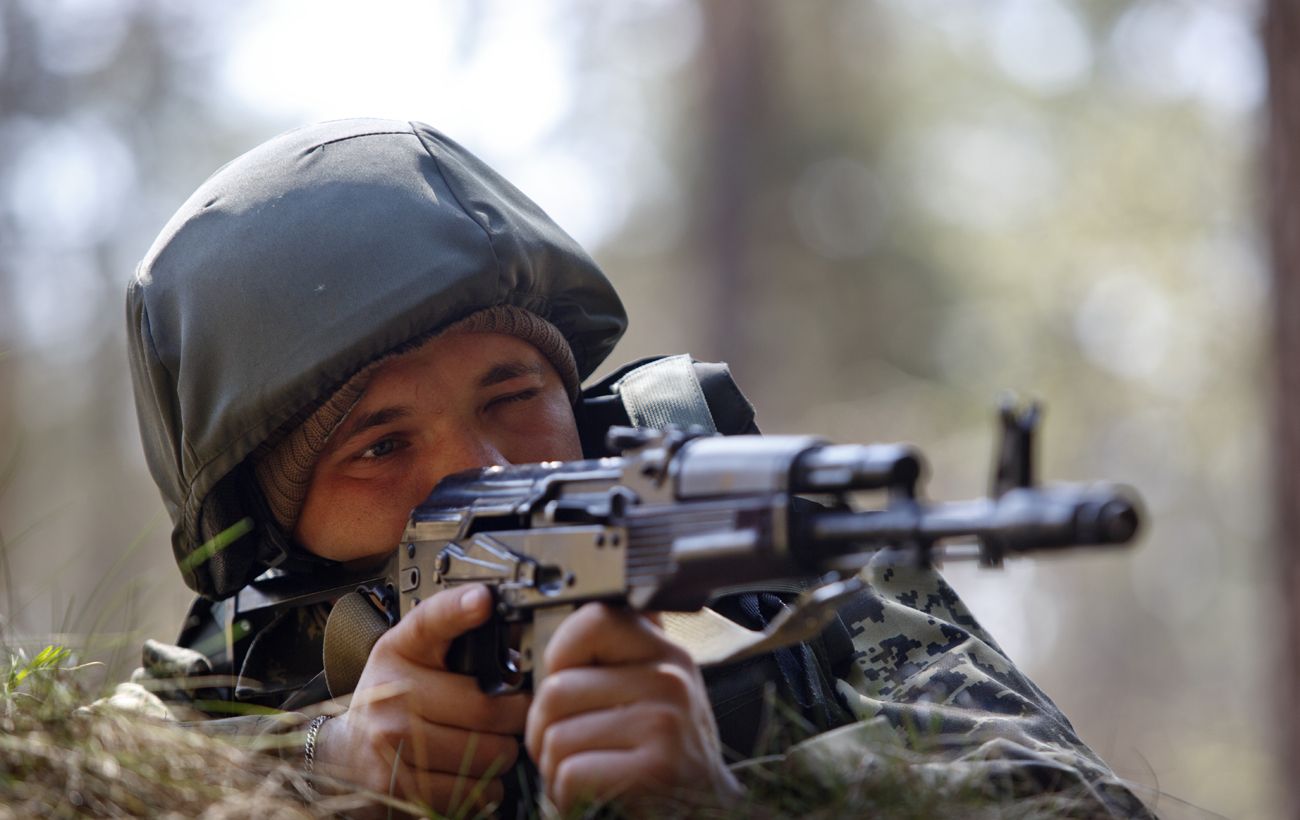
(1021,520)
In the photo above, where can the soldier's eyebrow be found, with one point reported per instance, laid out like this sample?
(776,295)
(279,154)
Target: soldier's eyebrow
(357,424)
(505,371)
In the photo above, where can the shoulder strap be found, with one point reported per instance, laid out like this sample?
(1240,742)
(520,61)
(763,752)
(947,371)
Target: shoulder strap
(665,392)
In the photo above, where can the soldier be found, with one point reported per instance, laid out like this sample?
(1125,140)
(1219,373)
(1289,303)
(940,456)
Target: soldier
(348,313)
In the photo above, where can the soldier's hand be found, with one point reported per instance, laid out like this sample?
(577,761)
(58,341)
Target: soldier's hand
(429,732)
(624,713)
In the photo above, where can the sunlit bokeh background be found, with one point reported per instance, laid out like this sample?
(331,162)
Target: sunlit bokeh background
(883,213)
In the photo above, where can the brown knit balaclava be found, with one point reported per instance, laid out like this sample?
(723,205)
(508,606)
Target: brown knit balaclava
(284,470)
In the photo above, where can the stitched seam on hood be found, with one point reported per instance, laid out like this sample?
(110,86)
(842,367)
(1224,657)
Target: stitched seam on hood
(533,296)
(321,145)
(452,189)
(580,349)
(151,353)
(153,346)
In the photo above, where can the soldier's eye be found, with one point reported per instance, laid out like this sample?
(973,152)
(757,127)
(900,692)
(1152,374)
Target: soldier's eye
(382,448)
(512,398)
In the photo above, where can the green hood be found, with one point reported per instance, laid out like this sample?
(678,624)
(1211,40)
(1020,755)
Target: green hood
(295,265)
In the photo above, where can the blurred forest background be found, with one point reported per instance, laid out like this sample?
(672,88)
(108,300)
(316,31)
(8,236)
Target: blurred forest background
(882,213)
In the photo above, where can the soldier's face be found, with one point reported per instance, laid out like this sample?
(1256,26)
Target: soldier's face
(457,402)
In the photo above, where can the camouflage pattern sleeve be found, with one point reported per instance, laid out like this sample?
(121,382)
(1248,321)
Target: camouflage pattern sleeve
(932,691)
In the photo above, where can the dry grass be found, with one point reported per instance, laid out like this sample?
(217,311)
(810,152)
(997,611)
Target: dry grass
(58,759)
(61,759)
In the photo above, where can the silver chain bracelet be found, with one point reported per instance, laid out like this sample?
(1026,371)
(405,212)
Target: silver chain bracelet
(309,748)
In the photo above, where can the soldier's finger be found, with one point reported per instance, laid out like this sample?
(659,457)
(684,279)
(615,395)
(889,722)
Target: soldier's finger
(571,692)
(599,634)
(593,731)
(595,777)
(450,699)
(424,635)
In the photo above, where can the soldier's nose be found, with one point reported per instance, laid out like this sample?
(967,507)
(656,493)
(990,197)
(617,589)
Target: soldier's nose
(470,452)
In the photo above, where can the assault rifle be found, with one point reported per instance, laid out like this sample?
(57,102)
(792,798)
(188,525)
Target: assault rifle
(680,518)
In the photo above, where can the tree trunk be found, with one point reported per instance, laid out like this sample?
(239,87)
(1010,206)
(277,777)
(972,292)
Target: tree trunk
(731,180)
(1282,45)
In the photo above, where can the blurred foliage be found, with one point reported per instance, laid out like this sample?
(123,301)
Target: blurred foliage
(883,214)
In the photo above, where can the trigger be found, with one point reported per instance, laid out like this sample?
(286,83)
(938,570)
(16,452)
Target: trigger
(497,669)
